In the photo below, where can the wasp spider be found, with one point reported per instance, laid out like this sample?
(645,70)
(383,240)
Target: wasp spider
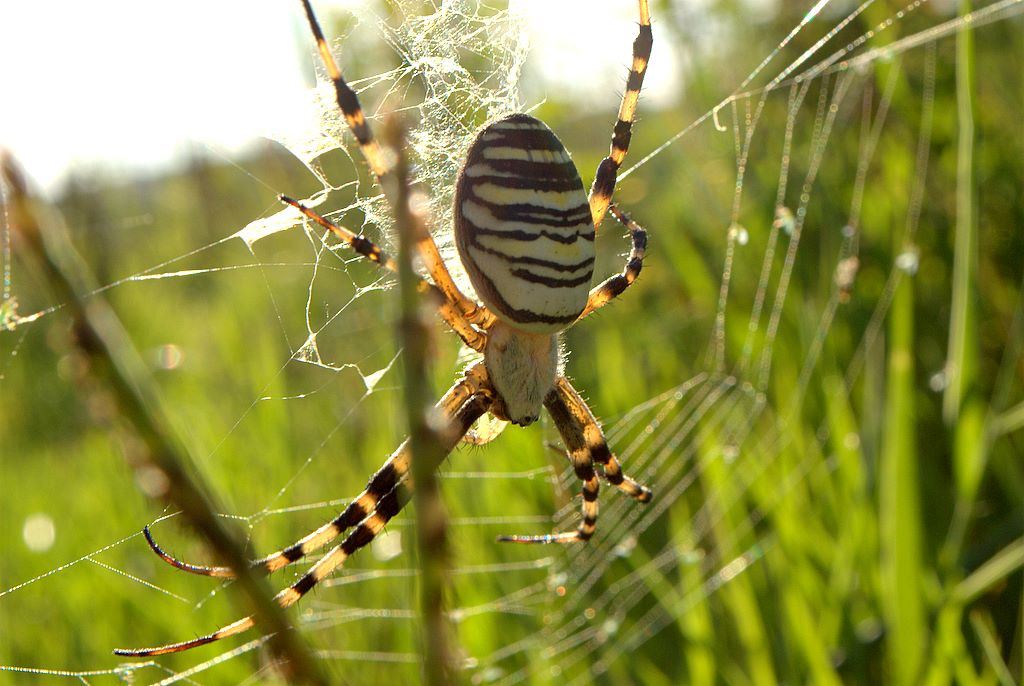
(524,230)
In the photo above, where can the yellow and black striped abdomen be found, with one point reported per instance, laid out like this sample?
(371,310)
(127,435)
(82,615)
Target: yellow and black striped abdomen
(523,225)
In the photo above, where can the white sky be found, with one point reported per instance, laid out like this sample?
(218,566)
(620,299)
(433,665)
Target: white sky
(131,82)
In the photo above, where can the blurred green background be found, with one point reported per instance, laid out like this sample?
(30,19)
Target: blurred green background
(851,516)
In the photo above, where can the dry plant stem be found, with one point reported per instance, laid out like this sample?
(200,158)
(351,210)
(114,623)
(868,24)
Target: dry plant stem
(151,447)
(425,445)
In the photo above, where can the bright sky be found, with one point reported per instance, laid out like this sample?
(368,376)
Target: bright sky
(132,82)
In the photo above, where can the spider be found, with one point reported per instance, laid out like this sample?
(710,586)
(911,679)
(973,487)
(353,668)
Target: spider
(524,230)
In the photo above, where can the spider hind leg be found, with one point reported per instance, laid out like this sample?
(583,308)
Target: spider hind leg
(568,403)
(391,473)
(585,445)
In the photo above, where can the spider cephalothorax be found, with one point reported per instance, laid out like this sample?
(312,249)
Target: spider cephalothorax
(524,228)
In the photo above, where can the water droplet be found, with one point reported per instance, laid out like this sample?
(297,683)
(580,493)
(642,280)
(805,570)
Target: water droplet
(387,546)
(738,233)
(625,546)
(908,261)
(557,581)
(152,481)
(490,674)
(39,532)
(169,356)
(784,220)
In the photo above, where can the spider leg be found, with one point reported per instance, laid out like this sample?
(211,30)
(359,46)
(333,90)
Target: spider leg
(486,432)
(385,507)
(613,286)
(352,111)
(347,100)
(604,181)
(585,444)
(583,465)
(394,470)
(368,249)
(565,401)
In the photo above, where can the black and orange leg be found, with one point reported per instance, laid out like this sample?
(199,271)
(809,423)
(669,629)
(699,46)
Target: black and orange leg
(586,446)
(565,404)
(348,102)
(392,473)
(449,311)
(584,467)
(386,507)
(607,171)
(612,287)
(352,111)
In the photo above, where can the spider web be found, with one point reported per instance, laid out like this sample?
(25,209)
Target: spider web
(746,426)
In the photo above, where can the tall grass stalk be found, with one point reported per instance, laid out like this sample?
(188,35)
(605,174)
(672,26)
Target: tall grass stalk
(121,382)
(425,446)
(899,506)
(963,407)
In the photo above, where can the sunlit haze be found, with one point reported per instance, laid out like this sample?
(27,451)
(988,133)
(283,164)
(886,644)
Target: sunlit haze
(131,85)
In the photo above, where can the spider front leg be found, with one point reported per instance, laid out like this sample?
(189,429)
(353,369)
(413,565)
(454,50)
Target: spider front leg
(448,310)
(352,111)
(585,444)
(607,171)
(613,286)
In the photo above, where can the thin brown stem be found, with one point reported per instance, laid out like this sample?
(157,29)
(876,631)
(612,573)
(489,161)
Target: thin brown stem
(425,445)
(151,447)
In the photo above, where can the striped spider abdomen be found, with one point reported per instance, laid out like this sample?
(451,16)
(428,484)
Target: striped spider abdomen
(523,226)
